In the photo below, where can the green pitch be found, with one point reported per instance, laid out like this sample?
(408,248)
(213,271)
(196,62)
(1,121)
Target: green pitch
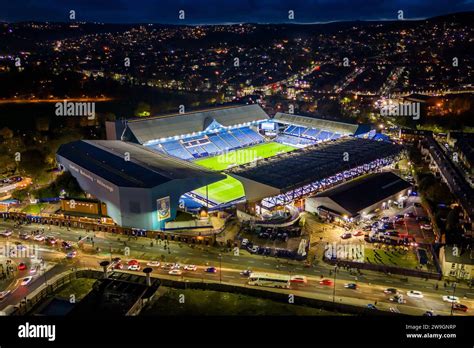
(242,156)
(231,189)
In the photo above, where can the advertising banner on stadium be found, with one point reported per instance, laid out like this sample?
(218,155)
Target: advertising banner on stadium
(163,206)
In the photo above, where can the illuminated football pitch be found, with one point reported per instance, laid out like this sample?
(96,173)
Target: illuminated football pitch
(231,189)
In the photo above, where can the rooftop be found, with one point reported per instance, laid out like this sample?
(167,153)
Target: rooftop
(366,191)
(146,168)
(304,166)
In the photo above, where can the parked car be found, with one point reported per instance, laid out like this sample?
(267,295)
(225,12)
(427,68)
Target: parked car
(39,238)
(245,241)
(190,267)
(51,240)
(168,266)
(415,294)
(24,236)
(451,299)
(22,266)
(371,306)
(211,270)
(346,235)
(429,314)
(118,265)
(116,259)
(135,267)
(358,233)
(325,282)
(66,245)
(409,215)
(352,286)
(6,233)
(254,249)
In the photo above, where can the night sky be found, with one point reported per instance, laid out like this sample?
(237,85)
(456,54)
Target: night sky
(225,11)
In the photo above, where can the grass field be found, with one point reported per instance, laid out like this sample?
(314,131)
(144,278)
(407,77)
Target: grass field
(242,156)
(231,189)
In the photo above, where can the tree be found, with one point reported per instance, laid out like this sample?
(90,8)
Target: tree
(6,133)
(143,110)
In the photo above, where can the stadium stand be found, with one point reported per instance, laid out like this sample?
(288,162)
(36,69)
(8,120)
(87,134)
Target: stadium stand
(300,167)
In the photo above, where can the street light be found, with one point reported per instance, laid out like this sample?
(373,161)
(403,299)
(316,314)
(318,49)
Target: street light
(452,302)
(220,268)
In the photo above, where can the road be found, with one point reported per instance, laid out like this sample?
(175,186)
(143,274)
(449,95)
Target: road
(370,284)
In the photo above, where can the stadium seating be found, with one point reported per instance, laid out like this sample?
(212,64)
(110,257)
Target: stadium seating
(294,141)
(210,145)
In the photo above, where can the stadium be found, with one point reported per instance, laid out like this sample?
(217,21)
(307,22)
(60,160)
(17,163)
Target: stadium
(149,168)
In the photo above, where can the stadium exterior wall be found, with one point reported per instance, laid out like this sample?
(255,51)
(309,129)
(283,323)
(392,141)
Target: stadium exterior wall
(133,207)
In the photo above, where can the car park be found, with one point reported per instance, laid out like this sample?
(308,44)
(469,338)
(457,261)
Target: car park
(451,299)
(415,294)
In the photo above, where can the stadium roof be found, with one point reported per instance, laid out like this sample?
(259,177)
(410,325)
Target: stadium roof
(152,128)
(146,168)
(358,194)
(327,125)
(301,167)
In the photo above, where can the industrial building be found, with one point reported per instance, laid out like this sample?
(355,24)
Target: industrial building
(356,198)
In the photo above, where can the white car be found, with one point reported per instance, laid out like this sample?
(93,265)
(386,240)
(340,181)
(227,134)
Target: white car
(134,267)
(6,233)
(26,280)
(175,272)
(39,238)
(153,264)
(4,294)
(245,241)
(190,268)
(415,293)
(451,299)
